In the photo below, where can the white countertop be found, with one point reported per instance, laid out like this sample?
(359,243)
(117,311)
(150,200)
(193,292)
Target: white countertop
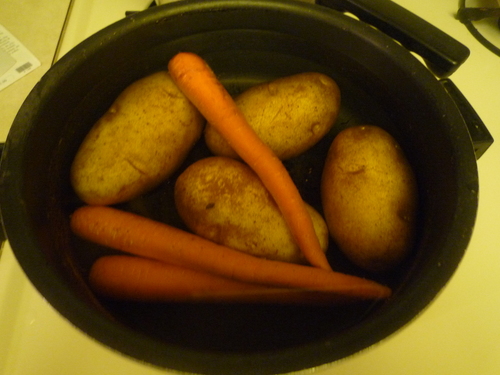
(37,24)
(458,334)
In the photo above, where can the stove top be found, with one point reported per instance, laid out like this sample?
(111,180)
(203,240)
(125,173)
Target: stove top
(459,333)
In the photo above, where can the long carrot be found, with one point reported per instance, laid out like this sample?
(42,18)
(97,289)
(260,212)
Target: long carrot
(141,236)
(143,279)
(200,85)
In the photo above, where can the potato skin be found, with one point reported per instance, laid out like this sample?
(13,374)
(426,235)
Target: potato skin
(140,141)
(369,196)
(223,200)
(290,114)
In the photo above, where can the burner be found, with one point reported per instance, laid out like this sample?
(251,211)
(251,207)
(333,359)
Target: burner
(482,19)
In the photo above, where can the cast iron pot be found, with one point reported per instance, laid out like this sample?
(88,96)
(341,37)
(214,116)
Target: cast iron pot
(245,42)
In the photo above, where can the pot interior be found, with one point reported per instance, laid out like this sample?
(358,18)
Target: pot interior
(244,43)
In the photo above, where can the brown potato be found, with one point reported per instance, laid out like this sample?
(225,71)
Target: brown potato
(369,196)
(223,200)
(289,114)
(139,142)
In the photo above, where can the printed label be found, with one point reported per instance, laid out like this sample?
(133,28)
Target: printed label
(15,59)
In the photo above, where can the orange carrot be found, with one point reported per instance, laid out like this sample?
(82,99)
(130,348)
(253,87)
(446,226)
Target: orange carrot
(200,85)
(141,236)
(142,279)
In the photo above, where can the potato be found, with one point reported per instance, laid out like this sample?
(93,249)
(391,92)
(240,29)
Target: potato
(223,200)
(369,197)
(139,142)
(290,114)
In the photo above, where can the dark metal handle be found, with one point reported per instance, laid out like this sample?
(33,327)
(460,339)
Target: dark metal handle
(481,137)
(442,53)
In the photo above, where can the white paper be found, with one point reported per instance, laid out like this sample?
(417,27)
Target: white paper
(15,59)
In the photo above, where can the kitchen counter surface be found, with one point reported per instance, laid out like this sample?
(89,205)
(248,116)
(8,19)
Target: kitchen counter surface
(37,24)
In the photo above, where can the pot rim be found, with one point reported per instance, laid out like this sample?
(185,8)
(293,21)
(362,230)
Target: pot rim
(60,294)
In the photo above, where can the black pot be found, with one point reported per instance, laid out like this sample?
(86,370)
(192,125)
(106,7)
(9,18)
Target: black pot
(246,42)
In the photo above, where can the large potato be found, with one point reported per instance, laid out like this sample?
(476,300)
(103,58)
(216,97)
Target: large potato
(290,114)
(369,196)
(140,141)
(223,200)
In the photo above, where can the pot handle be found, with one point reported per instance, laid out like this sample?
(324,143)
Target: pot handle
(480,135)
(442,54)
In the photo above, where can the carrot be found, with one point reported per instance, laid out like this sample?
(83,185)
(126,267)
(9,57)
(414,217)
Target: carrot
(142,279)
(198,82)
(141,236)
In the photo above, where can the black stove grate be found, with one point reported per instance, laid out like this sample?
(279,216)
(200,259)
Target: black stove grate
(471,16)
